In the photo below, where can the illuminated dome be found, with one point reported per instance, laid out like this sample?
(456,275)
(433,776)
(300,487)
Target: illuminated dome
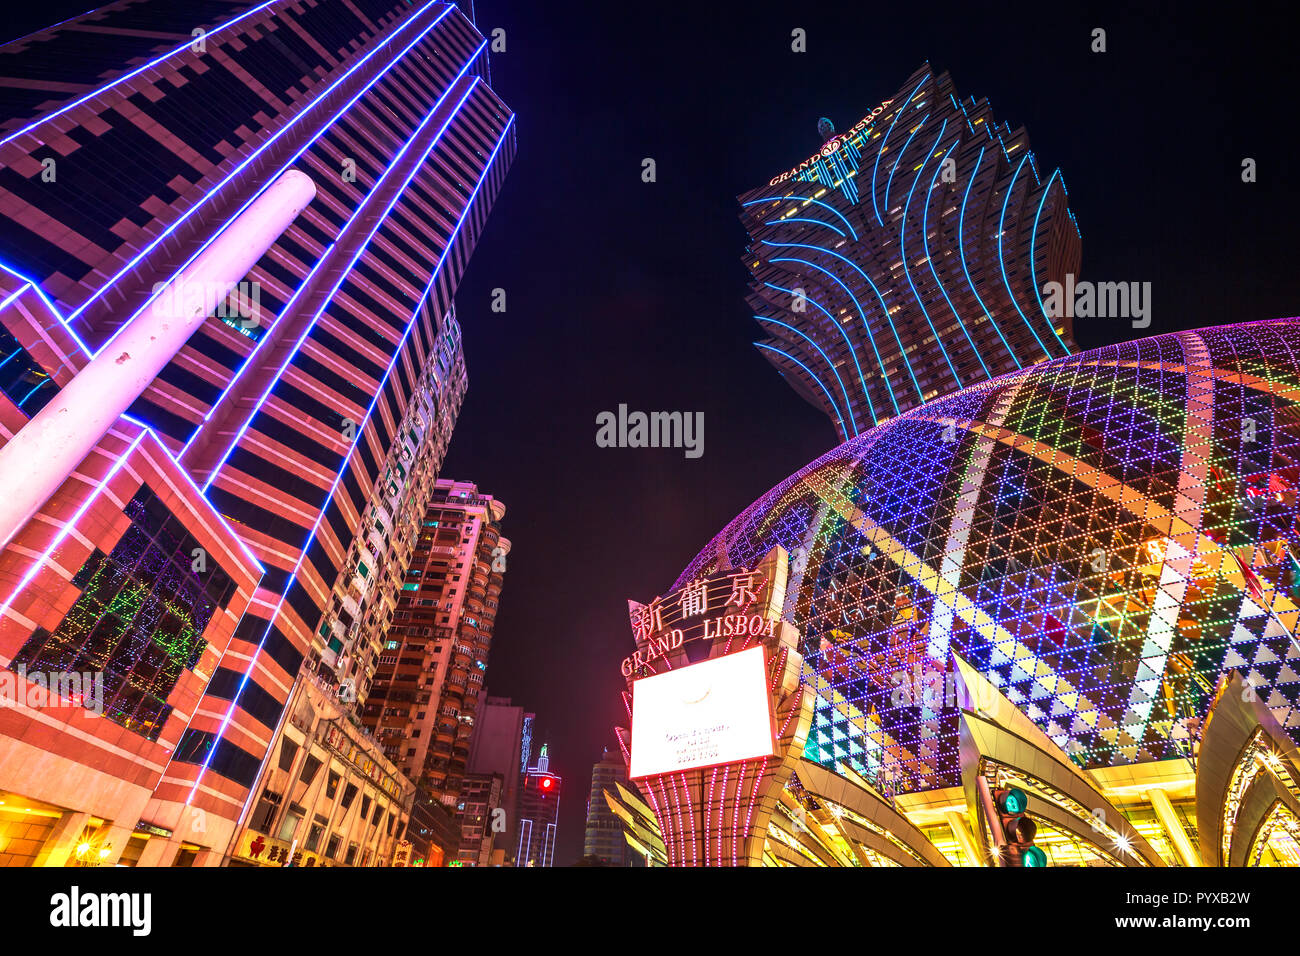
(1103,536)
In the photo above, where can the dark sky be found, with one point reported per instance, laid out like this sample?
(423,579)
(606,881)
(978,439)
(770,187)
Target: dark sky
(619,291)
(623,291)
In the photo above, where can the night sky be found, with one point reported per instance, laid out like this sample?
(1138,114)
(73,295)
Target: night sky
(623,291)
(619,291)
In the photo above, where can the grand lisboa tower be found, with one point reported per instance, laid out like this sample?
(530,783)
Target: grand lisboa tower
(1104,538)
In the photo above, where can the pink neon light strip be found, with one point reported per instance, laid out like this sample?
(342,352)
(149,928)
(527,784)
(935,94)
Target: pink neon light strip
(67,528)
(735,813)
(690,815)
(722,806)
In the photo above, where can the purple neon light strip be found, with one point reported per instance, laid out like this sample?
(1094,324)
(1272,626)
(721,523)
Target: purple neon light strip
(505,132)
(360,250)
(253,354)
(238,169)
(121,79)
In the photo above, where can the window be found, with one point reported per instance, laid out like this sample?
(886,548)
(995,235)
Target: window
(288,750)
(313,836)
(332,786)
(290,823)
(265,812)
(309,768)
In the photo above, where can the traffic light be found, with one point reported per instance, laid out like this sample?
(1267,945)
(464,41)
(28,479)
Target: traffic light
(1017,829)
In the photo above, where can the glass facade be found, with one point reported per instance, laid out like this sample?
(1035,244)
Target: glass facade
(140,617)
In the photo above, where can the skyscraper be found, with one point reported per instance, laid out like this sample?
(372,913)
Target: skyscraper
(604,836)
(539,815)
(906,258)
(425,696)
(260,449)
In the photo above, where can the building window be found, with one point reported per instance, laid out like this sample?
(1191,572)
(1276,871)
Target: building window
(309,768)
(290,823)
(140,617)
(265,812)
(288,750)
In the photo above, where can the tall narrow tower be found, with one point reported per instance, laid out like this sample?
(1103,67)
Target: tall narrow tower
(906,258)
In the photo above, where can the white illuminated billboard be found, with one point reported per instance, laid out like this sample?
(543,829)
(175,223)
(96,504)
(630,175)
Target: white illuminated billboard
(717,711)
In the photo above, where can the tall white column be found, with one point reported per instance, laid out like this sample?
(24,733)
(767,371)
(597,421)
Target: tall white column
(38,459)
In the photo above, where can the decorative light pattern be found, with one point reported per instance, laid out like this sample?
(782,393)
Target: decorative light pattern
(1102,535)
(140,618)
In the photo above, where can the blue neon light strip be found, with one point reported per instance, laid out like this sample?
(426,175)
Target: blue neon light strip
(832,209)
(903,152)
(829,364)
(885,142)
(1002,261)
(252,664)
(844,335)
(249,361)
(961,249)
(198,429)
(361,248)
(862,313)
(787,355)
(121,79)
(902,247)
(925,244)
(270,179)
(1033,269)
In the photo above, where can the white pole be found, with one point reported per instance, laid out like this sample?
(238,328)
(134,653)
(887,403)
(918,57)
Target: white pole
(45,451)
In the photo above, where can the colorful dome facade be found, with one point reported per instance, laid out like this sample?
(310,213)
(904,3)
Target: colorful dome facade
(1103,536)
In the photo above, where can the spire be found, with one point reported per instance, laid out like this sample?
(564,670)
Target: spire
(543,761)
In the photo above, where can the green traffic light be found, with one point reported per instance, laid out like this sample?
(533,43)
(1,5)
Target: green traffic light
(1033,856)
(1014,801)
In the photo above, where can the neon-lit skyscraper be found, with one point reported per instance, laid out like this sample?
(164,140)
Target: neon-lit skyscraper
(906,258)
(539,815)
(197,551)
